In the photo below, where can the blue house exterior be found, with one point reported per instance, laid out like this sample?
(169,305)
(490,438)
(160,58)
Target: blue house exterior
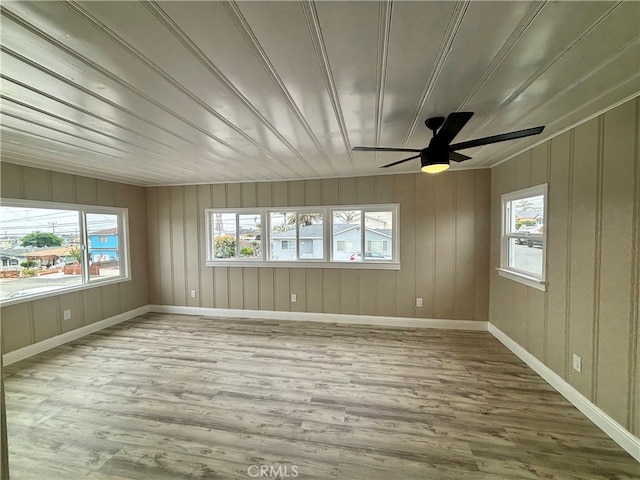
(346,242)
(103,245)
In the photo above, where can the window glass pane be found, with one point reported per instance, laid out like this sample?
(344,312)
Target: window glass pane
(378,234)
(283,227)
(39,250)
(311,235)
(224,235)
(250,230)
(104,246)
(526,255)
(346,229)
(525,214)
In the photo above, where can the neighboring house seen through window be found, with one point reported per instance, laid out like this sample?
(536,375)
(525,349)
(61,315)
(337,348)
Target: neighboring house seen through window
(366,234)
(523,241)
(49,247)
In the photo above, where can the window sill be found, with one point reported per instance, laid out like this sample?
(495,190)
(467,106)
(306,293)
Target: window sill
(522,278)
(307,264)
(63,291)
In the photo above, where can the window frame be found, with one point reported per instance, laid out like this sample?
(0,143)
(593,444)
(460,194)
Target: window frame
(82,210)
(506,235)
(327,231)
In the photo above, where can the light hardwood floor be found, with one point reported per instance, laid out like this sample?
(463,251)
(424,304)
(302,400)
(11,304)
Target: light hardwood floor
(173,397)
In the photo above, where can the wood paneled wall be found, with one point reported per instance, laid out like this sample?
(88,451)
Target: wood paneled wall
(591,306)
(444,250)
(30,322)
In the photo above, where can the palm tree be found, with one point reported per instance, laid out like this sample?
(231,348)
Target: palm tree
(524,205)
(305,219)
(347,216)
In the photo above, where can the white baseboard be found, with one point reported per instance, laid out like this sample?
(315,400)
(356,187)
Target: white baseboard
(324,317)
(608,425)
(44,345)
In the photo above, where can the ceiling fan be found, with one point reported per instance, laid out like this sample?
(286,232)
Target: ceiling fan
(436,156)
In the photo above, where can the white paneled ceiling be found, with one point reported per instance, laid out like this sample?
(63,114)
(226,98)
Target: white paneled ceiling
(192,92)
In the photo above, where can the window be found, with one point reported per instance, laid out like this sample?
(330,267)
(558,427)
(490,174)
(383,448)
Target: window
(344,246)
(523,242)
(288,245)
(235,235)
(300,236)
(48,247)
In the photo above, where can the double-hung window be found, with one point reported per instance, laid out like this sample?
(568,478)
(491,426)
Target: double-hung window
(321,236)
(47,248)
(523,240)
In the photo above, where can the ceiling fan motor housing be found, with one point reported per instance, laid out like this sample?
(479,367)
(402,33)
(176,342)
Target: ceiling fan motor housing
(434,154)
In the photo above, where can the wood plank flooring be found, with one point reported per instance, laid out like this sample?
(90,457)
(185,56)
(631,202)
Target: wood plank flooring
(182,397)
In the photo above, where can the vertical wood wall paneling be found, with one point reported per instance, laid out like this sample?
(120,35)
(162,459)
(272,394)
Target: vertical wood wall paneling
(281,292)
(582,264)
(92,306)
(348,193)
(164,245)
(192,240)
(153,246)
(445,245)
(425,260)
(110,300)
(86,190)
(17,327)
(264,194)
(71,301)
(46,319)
(42,318)
(366,190)
(617,221)
(296,193)
(369,292)
(537,314)
(206,295)
(314,289)
(331,291)
(464,293)
(635,336)
(236,294)
(37,183)
(266,288)
(63,187)
(405,191)
(591,304)
(106,193)
(557,253)
(279,194)
(128,292)
(313,192)
(384,186)
(298,285)
(11,181)
(482,224)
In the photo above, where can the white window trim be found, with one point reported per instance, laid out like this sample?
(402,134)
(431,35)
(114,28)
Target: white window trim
(123,233)
(327,224)
(504,270)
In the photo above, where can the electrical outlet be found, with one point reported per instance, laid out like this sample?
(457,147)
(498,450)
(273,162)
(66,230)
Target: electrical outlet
(193,294)
(67,314)
(418,302)
(294,298)
(577,363)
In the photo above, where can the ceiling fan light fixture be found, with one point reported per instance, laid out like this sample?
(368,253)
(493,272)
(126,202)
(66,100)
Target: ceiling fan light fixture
(436,167)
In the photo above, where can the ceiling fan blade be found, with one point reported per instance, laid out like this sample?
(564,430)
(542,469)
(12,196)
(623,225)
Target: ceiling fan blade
(496,138)
(383,149)
(458,157)
(452,126)
(399,161)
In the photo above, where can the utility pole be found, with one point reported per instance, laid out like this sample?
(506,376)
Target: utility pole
(53,226)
